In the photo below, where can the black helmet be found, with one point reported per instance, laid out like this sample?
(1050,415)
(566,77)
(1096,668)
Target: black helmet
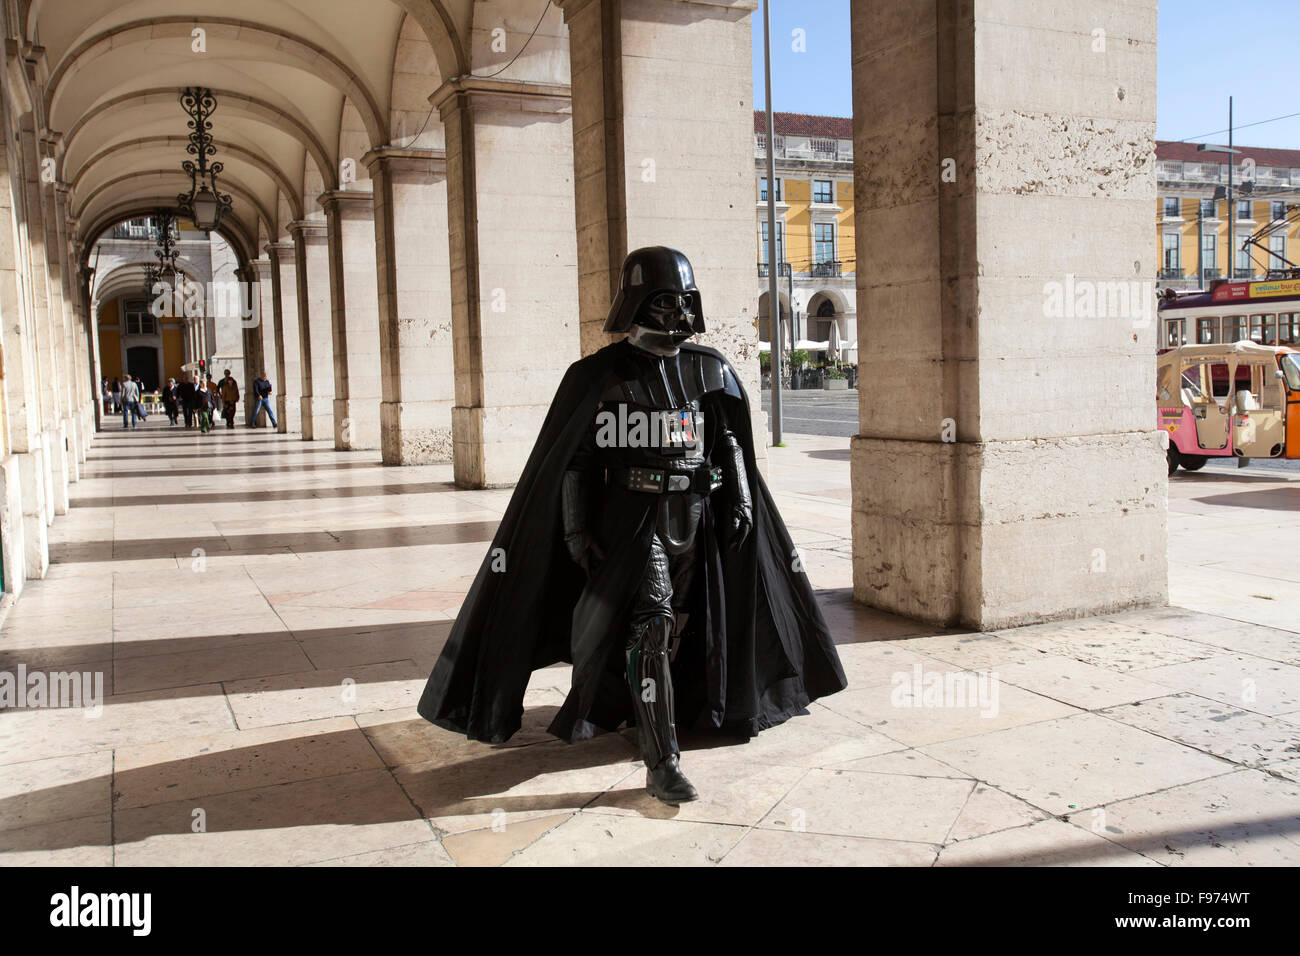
(646,272)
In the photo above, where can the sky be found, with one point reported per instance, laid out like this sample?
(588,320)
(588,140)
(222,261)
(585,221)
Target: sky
(1197,69)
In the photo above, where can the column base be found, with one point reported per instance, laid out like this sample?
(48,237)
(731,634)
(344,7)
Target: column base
(1001,534)
(71,428)
(356,423)
(491,445)
(12,537)
(415,433)
(317,417)
(32,476)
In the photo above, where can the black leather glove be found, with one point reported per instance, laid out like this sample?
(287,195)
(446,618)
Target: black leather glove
(582,547)
(732,460)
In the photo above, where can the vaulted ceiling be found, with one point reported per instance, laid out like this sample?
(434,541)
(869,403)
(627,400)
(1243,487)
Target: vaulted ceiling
(301,86)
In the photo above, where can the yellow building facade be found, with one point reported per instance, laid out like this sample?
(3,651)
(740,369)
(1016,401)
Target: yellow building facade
(1192,225)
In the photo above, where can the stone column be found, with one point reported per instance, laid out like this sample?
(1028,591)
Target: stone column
(259,339)
(1007,470)
(315,332)
(286,378)
(414,282)
(55,476)
(355,317)
(24,536)
(663,154)
(513,266)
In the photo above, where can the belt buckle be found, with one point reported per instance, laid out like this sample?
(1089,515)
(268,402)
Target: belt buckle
(646,479)
(715,479)
(677,483)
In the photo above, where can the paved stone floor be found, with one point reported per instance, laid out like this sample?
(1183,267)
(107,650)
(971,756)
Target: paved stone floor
(265,612)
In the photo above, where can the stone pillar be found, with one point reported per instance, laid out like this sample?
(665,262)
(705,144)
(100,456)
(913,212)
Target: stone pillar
(286,378)
(315,332)
(23,532)
(513,266)
(651,170)
(259,339)
(1007,468)
(413,269)
(355,317)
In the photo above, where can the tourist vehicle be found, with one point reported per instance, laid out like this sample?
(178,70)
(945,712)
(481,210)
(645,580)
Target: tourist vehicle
(1256,416)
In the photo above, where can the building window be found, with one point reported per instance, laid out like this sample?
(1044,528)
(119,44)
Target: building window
(823,191)
(762,189)
(1243,209)
(824,242)
(1277,209)
(1207,209)
(1172,265)
(1172,205)
(1277,250)
(780,243)
(139,320)
(1242,262)
(1209,246)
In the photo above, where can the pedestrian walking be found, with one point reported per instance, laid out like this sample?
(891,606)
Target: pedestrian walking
(117,395)
(262,388)
(129,397)
(187,391)
(171,400)
(106,395)
(228,389)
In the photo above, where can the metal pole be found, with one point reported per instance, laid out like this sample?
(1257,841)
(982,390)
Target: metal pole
(1232,205)
(773,300)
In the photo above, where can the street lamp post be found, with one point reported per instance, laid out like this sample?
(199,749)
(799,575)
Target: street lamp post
(773,264)
(1232,202)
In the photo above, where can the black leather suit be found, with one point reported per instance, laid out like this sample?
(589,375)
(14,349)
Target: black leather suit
(653,435)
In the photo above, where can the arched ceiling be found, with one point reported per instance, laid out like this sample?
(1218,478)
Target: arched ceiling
(292,79)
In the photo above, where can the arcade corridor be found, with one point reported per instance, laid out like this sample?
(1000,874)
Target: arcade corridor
(265,611)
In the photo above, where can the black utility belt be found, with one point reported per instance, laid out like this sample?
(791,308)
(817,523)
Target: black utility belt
(658,481)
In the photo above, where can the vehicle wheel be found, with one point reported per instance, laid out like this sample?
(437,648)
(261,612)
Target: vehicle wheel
(1193,462)
(1174,459)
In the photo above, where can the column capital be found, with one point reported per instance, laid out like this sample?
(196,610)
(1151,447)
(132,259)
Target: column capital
(347,202)
(406,158)
(308,228)
(262,267)
(279,250)
(493,93)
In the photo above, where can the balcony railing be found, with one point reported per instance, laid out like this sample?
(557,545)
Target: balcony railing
(843,151)
(783,269)
(133,230)
(1171,273)
(830,269)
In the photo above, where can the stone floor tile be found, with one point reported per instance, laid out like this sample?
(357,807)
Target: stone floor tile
(785,849)
(876,805)
(1046,843)
(601,839)
(1072,763)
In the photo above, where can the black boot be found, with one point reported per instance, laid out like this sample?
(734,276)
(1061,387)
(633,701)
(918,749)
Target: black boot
(651,684)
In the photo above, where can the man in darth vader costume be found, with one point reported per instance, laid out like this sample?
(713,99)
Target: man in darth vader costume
(641,544)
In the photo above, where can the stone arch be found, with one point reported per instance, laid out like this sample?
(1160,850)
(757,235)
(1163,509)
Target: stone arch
(310,57)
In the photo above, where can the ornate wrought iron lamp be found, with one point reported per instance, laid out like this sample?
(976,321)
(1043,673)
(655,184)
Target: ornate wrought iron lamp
(205,203)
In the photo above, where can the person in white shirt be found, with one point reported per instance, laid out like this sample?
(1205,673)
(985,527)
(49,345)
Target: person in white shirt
(131,410)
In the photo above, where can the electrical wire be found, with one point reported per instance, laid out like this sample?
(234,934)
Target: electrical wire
(1216,132)
(485,76)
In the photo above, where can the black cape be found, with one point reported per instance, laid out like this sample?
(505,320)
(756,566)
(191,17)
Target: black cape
(757,650)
